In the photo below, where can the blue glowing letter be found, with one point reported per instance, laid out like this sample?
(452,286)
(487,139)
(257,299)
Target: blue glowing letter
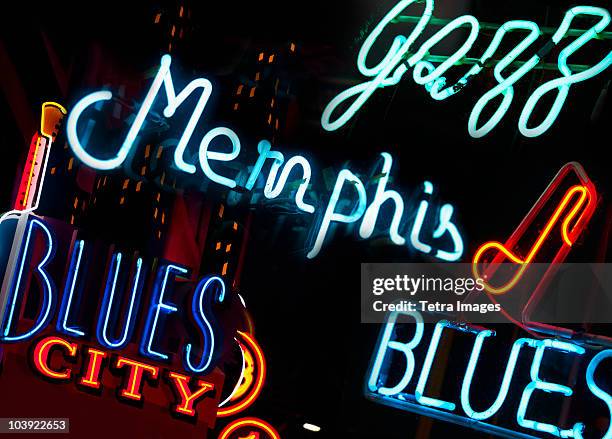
(538,384)
(562,85)
(597,391)
(330,213)
(431,353)
(67,298)
(206,155)
(107,305)
(506,380)
(406,348)
(157,307)
(199,314)
(382,195)
(46,284)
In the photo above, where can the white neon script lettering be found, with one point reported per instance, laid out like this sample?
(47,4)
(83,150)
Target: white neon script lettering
(280,170)
(391,69)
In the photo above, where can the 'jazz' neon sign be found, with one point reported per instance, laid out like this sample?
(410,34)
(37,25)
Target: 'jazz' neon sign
(339,210)
(402,56)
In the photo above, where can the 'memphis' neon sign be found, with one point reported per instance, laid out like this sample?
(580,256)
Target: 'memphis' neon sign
(402,55)
(339,209)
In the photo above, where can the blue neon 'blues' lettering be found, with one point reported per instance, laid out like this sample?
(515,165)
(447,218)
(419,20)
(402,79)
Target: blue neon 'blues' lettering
(107,305)
(382,194)
(199,314)
(330,213)
(47,285)
(68,296)
(431,353)
(406,348)
(597,391)
(538,384)
(159,306)
(506,380)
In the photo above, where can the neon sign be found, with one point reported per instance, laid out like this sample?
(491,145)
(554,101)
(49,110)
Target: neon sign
(572,198)
(403,55)
(398,379)
(339,209)
(31,259)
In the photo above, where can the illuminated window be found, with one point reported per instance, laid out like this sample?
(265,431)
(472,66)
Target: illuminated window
(53,170)
(181,11)
(159,234)
(76,202)
(292,47)
(272,103)
(163,220)
(173,31)
(235,225)
(239,89)
(126,183)
(276,125)
(261,57)
(70,163)
(269,118)
(218,246)
(155,213)
(271,59)
(71,219)
(147,151)
(138,185)
(162,179)
(221,210)
(122,200)
(228,247)
(159,151)
(157,18)
(158,196)
(252,93)
(143,170)
(224,271)
(236,106)
(257,76)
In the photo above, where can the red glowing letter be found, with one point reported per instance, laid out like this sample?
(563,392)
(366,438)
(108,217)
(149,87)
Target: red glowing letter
(91,378)
(188,398)
(134,381)
(41,357)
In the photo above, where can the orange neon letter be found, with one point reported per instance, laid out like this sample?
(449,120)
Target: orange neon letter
(188,398)
(91,378)
(133,389)
(42,351)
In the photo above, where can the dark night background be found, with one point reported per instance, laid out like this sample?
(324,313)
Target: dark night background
(307,312)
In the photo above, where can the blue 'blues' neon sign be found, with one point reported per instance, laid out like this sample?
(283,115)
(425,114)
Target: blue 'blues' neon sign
(402,56)
(394,370)
(445,242)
